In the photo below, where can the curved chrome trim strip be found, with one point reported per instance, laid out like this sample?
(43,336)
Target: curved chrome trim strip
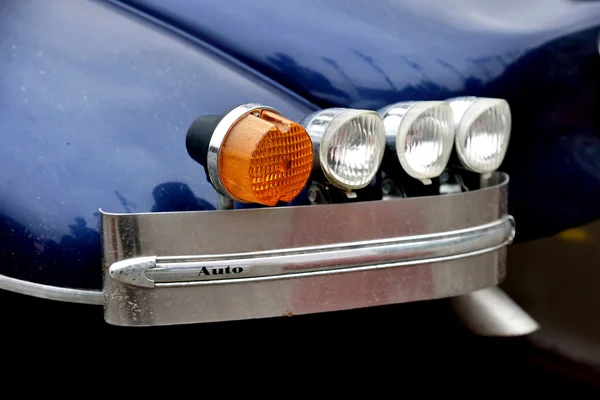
(214,147)
(351,245)
(329,271)
(94,297)
(317,260)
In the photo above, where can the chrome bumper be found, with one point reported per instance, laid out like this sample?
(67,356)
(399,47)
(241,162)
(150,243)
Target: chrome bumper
(189,267)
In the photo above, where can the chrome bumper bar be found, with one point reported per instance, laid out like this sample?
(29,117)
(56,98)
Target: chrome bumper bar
(179,267)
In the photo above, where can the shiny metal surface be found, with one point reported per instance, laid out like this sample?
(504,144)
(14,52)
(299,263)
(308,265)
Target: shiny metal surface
(491,312)
(214,147)
(133,271)
(339,258)
(394,112)
(175,236)
(51,292)
(316,125)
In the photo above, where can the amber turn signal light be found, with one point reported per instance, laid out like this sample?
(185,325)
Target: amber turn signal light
(252,154)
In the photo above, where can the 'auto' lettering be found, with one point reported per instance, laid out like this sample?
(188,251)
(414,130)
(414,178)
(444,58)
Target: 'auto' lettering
(220,271)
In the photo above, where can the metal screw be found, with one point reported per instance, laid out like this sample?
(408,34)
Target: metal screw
(387,187)
(224,203)
(314,195)
(444,177)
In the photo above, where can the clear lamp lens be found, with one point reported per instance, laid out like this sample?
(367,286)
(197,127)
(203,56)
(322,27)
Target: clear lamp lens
(350,145)
(422,134)
(483,128)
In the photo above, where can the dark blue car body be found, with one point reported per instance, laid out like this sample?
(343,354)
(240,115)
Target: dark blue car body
(96,98)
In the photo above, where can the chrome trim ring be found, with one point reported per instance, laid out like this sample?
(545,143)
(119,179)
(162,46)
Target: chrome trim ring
(219,134)
(398,119)
(465,114)
(323,124)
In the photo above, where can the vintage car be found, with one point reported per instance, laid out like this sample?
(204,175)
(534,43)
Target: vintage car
(194,162)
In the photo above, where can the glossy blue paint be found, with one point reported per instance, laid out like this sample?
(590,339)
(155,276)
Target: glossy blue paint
(94,107)
(345,53)
(541,55)
(95,101)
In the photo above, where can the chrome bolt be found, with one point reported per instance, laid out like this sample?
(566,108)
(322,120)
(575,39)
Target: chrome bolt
(387,187)
(314,195)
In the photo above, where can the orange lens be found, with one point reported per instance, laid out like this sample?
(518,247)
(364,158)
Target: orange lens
(265,158)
